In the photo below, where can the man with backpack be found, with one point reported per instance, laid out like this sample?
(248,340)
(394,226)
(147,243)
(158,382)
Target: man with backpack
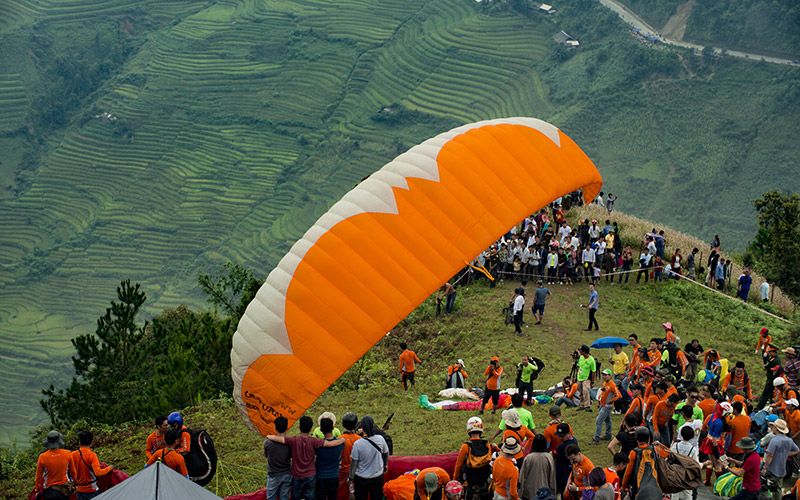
(86,467)
(526,371)
(473,464)
(370,461)
(641,474)
(563,465)
(686,446)
(327,464)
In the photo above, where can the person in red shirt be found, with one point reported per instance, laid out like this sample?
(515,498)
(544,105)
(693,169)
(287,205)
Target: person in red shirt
(608,394)
(87,467)
(750,470)
(581,467)
(304,457)
(169,455)
(54,467)
(408,365)
(155,441)
(493,372)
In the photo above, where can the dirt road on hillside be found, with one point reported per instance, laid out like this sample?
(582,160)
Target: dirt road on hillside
(634,20)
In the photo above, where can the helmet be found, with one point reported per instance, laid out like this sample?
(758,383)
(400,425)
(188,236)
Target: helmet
(175,418)
(474,424)
(778,381)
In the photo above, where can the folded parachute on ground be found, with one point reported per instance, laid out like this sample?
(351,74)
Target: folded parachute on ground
(385,247)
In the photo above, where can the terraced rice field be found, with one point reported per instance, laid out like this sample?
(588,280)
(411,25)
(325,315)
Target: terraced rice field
(248,119)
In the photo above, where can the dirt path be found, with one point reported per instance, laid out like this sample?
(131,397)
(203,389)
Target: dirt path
(676,25)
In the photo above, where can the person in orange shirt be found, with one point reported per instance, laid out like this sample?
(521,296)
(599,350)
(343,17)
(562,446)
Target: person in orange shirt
(515,429)
(608,395)
(53,468)
(349,422)
(86,467)
(652,400)
(781,393)
(408,365)
(630,479)
(476,442)
(669,333)
(646,379)
(169,455)
(155,441)
(669,383)
(175,421)
(581,467)
(637,402)
(456,375)
(653,355)
(792,415)
(430,483)
(505,474)
(553,439)
(764,340)
(636,362)
(739,424)
(493,372)
(662,416)
(707,402)
(737,382)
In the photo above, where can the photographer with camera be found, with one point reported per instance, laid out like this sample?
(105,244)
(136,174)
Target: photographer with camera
(492,373)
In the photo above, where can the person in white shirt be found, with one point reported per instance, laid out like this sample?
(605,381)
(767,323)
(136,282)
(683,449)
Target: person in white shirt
(764,291)
(519,306)
(687,448)
(644,266)
(594,230)
(694,423)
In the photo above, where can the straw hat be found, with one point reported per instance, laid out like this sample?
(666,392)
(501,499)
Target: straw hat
(780,426)
(511,446)
(511,418)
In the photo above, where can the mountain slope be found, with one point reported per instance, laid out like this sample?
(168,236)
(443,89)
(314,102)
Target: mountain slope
(159,140)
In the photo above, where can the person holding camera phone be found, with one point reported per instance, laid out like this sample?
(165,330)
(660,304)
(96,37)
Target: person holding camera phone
(492,373)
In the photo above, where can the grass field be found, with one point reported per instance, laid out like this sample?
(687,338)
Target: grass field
(474,333)
(232,125)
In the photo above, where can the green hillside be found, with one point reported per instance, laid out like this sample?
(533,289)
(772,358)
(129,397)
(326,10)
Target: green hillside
(474,333)
(157,140)
(760,26)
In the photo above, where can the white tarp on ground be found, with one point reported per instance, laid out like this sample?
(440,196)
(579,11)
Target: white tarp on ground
(157,482)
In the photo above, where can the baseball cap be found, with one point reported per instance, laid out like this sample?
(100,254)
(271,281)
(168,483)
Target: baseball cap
(562,429)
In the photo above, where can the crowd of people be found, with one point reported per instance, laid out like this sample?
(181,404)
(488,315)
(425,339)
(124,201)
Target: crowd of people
(688,401)
(544,246)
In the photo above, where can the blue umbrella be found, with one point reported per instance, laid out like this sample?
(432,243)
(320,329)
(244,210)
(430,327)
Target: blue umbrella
(608,342)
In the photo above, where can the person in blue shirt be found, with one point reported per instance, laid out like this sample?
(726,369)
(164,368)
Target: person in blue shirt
(593,305)
(327,464)
(745,280)
(719,274)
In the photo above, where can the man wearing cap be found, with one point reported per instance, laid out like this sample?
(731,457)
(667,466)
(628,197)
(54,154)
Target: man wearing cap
(791,367)
(493,372)
(453,490)
(430,483)
(53,467)
(608,395)
(781,394)
(586,367)
(792,416)
(456,375)
(780,449)
(750,470)
(563,465)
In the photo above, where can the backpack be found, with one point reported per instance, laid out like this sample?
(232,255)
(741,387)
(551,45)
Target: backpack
(672,359)
(539,368)
(478,465)
(678,473)
(201,461)
(646,472)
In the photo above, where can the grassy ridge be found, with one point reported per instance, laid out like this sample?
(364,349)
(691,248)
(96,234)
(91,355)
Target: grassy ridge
(474,332)
(234,124)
